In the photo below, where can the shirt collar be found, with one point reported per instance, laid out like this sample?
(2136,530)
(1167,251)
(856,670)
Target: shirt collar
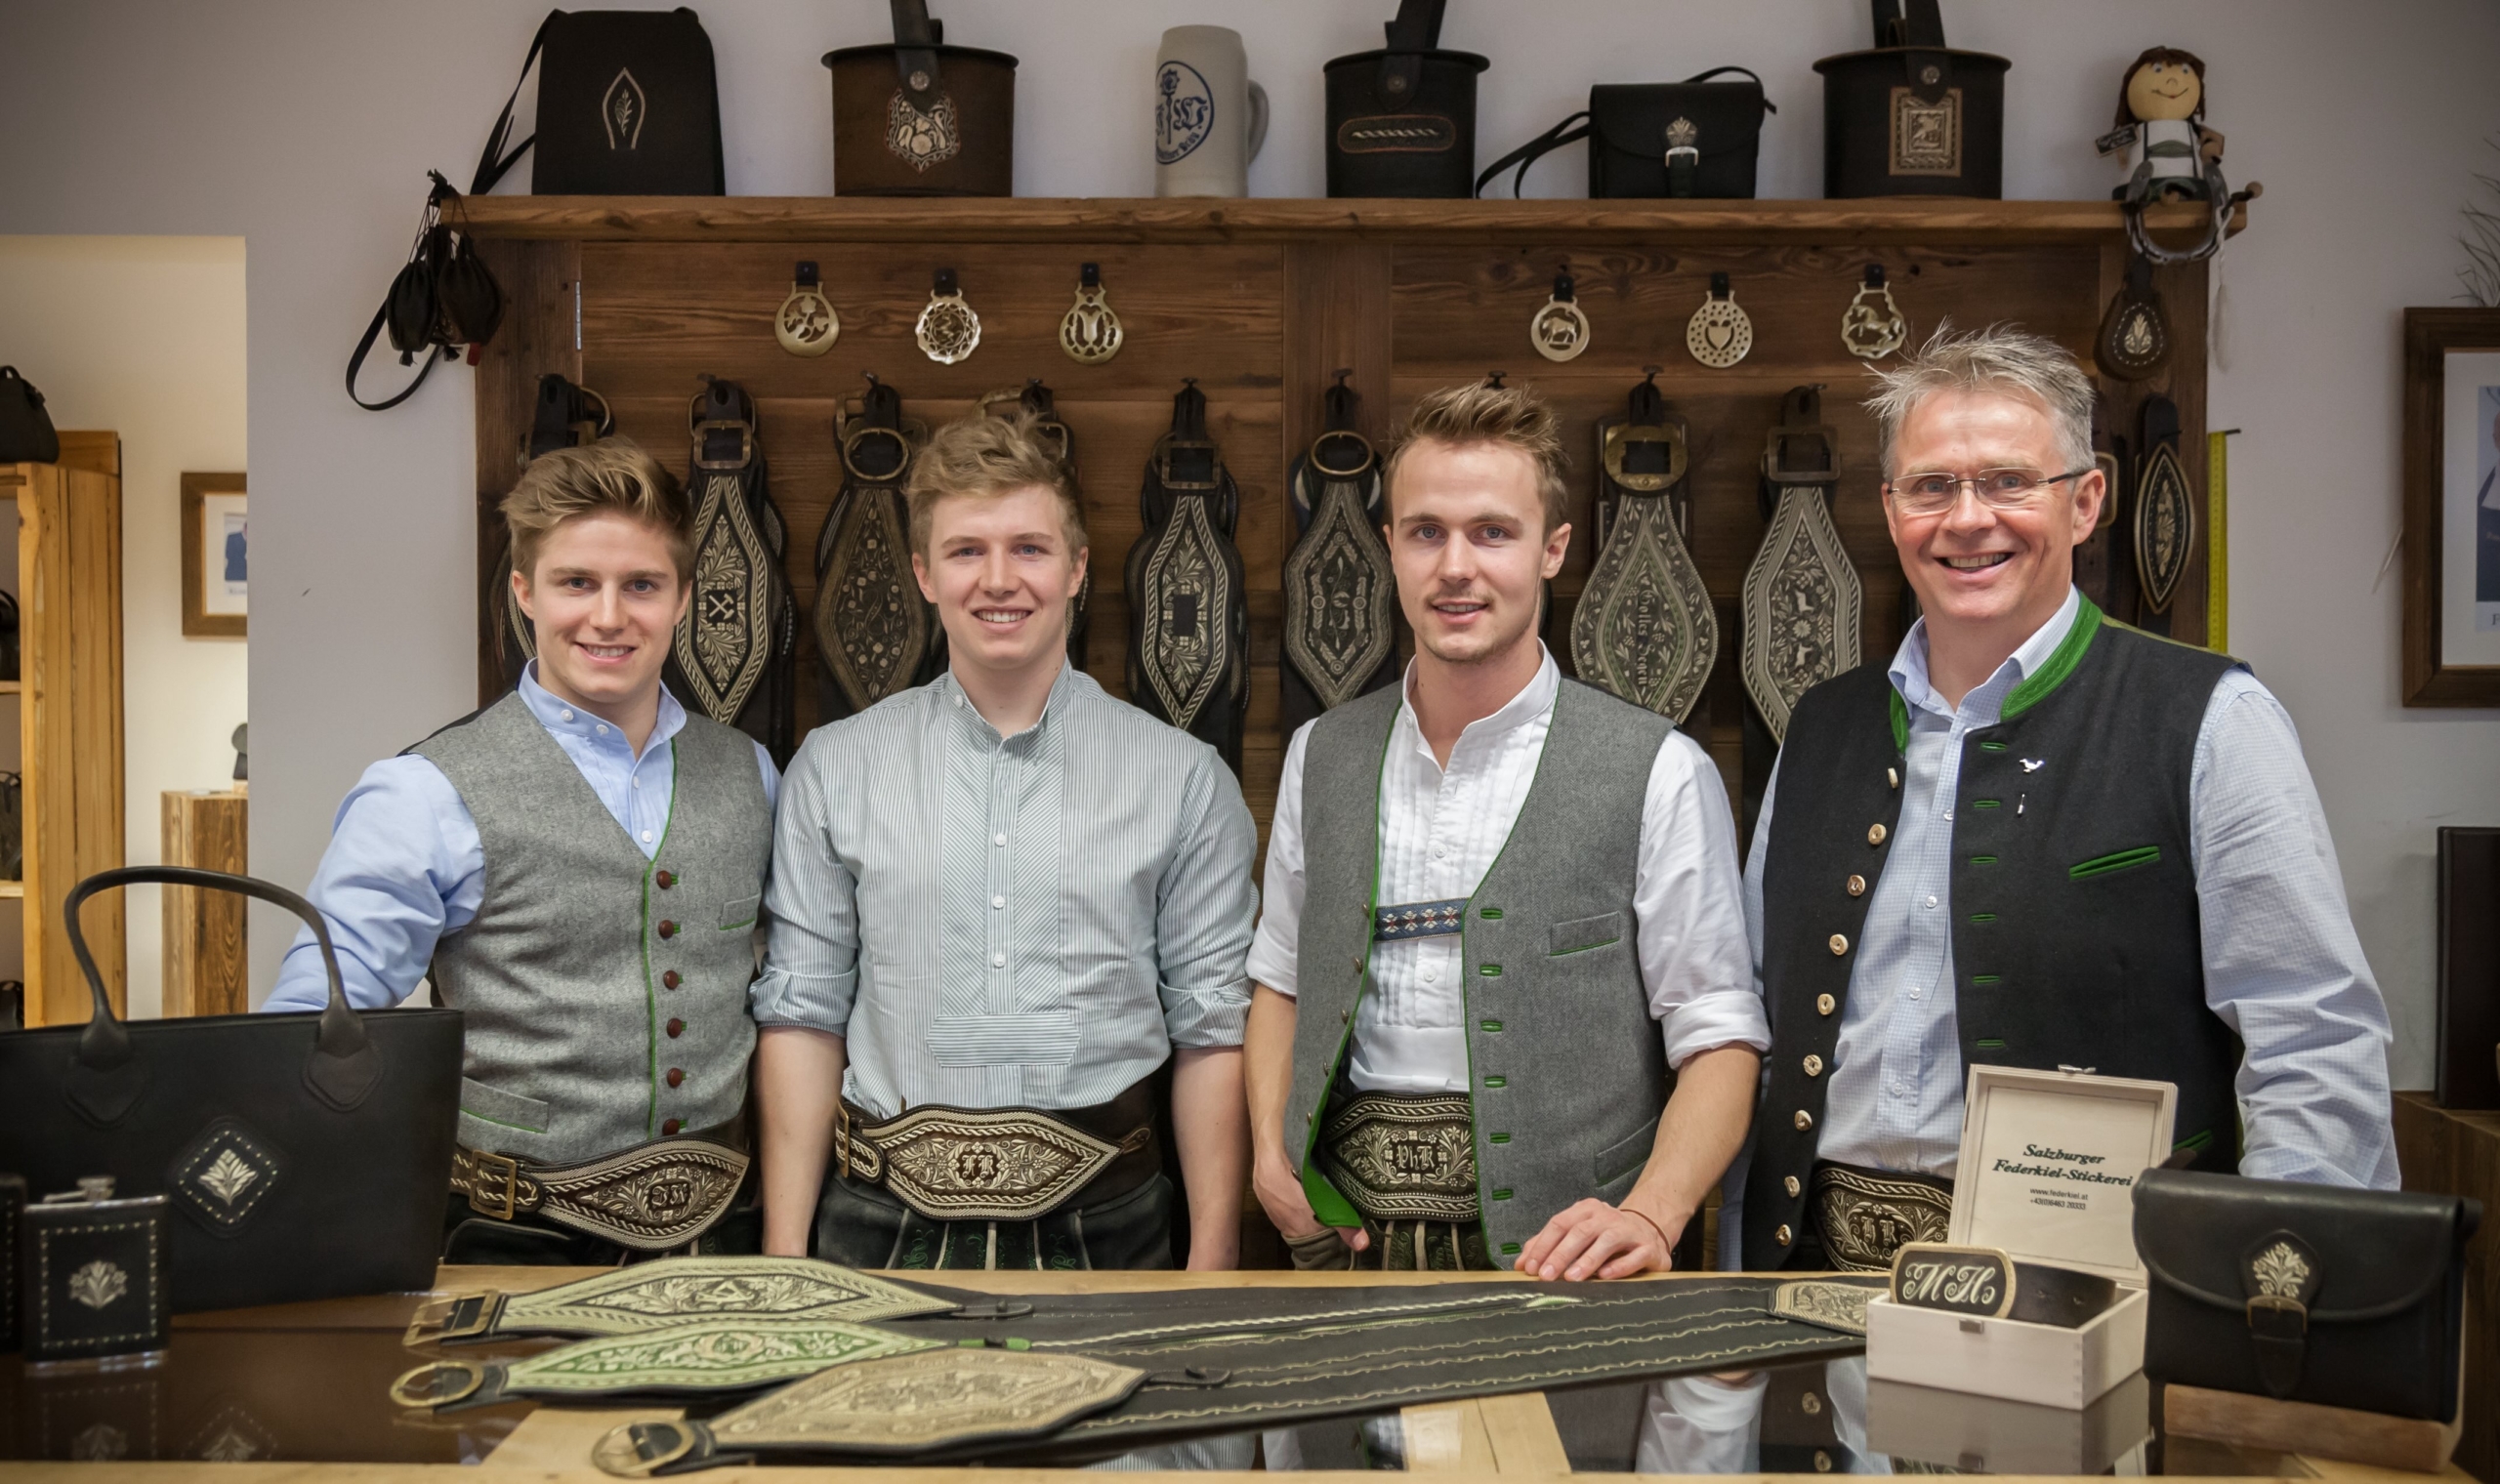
(1909,666)
(567,721)
(1534,700)
(948,692)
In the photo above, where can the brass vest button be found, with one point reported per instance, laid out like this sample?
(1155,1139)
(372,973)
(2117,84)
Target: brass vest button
(1782,1236)
(1824,1004)
(1814,1066)
(665,880)
(1875,834)
(1810,1404)
(1791,1186)
(1359,965)
(1893,777)
(672,1126)
(675,1076)
(1345,1016)
(669,979)
(1822,1461)
(1840,944)
(1805,1121)
(676,1028)
(668,930)
(1857,886)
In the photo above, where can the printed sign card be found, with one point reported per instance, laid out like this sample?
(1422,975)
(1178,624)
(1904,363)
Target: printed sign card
(2050,1161)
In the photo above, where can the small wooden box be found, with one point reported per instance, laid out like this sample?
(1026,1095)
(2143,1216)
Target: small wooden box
(2048,1171)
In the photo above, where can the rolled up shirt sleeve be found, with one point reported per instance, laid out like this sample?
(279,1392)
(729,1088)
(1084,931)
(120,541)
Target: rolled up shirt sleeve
(1688,905)
(404,866)
(811,904)
(1272,952)
(1205,906)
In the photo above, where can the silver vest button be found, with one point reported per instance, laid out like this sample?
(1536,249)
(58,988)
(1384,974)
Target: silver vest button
(1805,1121)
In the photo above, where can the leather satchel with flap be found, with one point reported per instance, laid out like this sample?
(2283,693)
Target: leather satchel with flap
(2306,1292)
(1694,139)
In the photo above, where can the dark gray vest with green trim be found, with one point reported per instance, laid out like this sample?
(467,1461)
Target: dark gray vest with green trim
(2077,935)
(1566,1069)
(567,1051)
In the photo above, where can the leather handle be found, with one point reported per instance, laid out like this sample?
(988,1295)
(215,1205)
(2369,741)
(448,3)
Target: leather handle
(1535,149)
(916,51)
(343,1067)
(1768,107)
(494,161)
(1909,24)
(1417,29)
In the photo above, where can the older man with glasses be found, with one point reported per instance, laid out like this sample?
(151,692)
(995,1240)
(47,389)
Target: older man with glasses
(2039,839)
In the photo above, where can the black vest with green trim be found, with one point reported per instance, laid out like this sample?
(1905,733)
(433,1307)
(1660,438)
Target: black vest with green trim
(2077,933)
(1566,1069)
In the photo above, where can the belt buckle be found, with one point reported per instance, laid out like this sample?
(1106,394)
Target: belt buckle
(859,436)
(1623,434)
(746,443)
(1774,461)
(1166,446)
(506,1168)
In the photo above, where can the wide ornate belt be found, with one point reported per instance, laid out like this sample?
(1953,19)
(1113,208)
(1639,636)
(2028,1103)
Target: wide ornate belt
(1003,1165)
(1866,1215)
(1402,1157)
(649,1198)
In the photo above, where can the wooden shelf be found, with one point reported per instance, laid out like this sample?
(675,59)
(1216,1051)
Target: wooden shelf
(1925,219)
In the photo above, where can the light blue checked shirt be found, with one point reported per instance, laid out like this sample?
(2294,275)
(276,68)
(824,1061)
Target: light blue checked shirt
(2283,966)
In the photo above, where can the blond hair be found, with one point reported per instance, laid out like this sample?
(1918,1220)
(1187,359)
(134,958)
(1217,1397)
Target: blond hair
(612,474)
(1513,417)
(990,457)
(1999,359)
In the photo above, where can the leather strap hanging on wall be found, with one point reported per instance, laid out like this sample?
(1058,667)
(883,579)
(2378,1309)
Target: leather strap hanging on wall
(566,417)
(1341,598)
(732,656)
(1801,597)
(1188,616)
(1037,401)
(2165,523)
(1644,630)
(875,633)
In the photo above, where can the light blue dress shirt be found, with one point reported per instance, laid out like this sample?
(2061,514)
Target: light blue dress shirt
(405,866)
(2283,966)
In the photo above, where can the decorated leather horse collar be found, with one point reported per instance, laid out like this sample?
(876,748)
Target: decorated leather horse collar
(1802,599)
(875,633)
(1189,615)
(1645,629)
(566,416)
(1340,594)
(732,653)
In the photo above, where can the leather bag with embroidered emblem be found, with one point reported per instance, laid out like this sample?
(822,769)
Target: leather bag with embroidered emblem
(1645,629)
(875,634)
(1189,614)
(733,655)
(306,1156)
(1913,117)
(1696,138)
(917,117)
(628,106)
(2306,1292)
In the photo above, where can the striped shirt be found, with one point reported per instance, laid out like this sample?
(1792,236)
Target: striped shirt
(991,922)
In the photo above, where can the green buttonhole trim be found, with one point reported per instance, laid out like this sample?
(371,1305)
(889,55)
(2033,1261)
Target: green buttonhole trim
(2102,865)
(1988,803)
(1983,860)
(1491,913)
(1984,917)
(1502,1194)
(1510,1249)
(1990,1044)
(1988,978)
(1497,1082)
(1490,970)
(1492,1025)
(1991,747)
(1497,1138)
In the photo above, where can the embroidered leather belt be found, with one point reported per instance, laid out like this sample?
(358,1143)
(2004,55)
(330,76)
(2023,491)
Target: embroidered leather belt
(649,1198)
(1866,1215)
(1402,1157)
(1001,1164)
(1418,919)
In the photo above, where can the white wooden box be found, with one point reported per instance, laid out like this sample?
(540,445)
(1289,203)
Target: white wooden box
(2048,1169)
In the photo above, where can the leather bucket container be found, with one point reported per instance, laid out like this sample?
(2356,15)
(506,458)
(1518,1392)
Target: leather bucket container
(920,118)
(1401,120)
(1912,117)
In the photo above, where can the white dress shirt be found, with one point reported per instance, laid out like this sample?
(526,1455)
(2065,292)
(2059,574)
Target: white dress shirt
(1439,832)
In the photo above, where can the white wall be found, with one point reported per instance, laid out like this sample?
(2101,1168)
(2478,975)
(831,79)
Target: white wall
(144,336)
(304,126)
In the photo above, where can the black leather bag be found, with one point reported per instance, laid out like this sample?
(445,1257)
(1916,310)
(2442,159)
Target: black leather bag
(306,1156)
(2304,1293)
(628,106)
(26,429)
(1401,120)
(1649,140)
(1911,116)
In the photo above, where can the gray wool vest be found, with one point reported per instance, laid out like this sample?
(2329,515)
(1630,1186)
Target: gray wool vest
(1566,1066)
(577,1044)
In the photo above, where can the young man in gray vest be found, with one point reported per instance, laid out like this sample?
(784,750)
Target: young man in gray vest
(2037,839)
(1502,919)
(1002,902)
(578,868)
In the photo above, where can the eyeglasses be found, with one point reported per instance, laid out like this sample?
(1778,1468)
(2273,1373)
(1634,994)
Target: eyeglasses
(2002,489)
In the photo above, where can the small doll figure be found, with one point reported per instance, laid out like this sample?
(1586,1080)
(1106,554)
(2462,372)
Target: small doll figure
(2161,109)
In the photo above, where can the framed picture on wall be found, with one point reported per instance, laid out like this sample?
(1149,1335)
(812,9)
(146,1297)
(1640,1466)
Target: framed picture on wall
(216,556)
(2452,506)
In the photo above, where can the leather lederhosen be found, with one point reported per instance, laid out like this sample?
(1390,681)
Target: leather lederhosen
(875,634)
(1189,613)
(654,1199)
(566,416)
(1645,629)
(1341,596)
(734,652)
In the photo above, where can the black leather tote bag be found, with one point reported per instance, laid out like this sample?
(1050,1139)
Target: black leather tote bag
(629,105)
(2304,1293)
(1698,138)
(306,1156)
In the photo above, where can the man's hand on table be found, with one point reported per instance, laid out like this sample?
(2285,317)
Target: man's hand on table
(1595,1240)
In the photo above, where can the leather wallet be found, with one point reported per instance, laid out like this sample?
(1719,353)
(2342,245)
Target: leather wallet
(2306,1292)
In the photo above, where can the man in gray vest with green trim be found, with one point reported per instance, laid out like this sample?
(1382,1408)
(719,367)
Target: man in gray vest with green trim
(1501,924)
(578,868)
(2039,839)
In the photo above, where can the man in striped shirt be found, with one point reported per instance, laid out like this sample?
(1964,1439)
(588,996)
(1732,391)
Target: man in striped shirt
(1008,899)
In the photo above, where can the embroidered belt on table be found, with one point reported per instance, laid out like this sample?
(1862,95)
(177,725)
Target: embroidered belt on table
(1418,919)
(1866,1215)
(649,1198)
(1402,1157)
(1003,1165)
